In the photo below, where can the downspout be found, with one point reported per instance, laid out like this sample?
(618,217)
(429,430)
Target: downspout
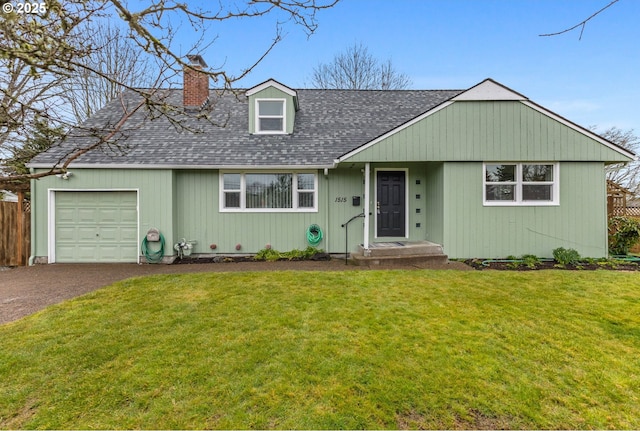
(32,246)
(367,174)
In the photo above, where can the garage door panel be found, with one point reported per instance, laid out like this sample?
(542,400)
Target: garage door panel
(66,213)
(109,215)
(86,215)
(86,234)
(110,234)
(76,253)
(96,226)
(67,233)
(87,252)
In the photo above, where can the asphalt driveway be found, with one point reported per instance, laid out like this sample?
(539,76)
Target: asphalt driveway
(25,290)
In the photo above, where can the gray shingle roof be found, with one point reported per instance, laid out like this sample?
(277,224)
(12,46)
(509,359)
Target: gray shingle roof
(328,124)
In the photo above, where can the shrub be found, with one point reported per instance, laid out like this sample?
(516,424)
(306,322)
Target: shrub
(268,254)
(624,233)
(271,255)
(530,260)
(566,256)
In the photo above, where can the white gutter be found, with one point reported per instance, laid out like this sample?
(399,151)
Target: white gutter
(154,166)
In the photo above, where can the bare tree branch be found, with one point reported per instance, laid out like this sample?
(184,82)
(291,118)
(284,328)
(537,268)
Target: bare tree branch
(581,24)
(52,54)
(357,69)
(625,174)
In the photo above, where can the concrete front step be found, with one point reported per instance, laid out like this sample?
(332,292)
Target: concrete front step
(401,248)
(421,254)
(420,261)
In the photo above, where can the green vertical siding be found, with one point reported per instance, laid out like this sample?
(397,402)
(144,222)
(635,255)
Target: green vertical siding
(481,131)
(434,198)
(272,93)
(420,225)
(474,230)
(185,204)
(198,218)
(342,186)
(155,199)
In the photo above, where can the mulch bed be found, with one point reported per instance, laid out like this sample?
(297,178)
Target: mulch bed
(477,264)
(318,257)
(612,265)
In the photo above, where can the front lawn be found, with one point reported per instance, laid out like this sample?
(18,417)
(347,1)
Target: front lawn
(357,349)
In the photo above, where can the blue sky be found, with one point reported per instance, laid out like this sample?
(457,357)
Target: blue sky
(454,44)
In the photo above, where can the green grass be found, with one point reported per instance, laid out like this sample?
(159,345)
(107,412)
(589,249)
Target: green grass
(360,349)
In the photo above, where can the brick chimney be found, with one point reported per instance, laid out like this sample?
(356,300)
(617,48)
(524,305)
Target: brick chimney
(196,83)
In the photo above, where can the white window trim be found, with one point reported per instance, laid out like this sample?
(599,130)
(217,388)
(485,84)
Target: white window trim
(555,188)
(257,117)
(243,193)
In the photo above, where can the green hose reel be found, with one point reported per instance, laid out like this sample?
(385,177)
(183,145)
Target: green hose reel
(153,256)
(314,235)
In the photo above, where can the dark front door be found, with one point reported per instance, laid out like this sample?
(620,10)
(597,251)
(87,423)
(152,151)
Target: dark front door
(390,207)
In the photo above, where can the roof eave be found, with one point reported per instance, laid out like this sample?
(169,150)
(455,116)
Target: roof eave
(177,166)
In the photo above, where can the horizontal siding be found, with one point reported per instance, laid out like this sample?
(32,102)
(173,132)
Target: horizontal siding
(477,131)
(475,231)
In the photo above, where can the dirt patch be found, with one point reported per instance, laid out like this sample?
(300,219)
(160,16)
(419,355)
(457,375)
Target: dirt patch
(480,421)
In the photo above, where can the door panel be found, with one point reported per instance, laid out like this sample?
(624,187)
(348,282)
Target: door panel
(391,205)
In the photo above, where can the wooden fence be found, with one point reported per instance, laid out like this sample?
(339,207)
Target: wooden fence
(15,233)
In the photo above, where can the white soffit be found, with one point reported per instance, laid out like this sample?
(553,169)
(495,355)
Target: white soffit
(489,90)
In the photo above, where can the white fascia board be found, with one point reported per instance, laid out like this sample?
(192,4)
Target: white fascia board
(579,129)
(489,90)
(186,167)
(271,83)
(392,132)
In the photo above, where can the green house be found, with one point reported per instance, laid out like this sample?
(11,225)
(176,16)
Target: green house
(483,172)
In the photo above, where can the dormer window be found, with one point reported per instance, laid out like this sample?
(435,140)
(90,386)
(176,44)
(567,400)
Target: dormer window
(270,116)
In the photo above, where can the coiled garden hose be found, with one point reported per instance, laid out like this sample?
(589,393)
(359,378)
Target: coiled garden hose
(153,256)
(314,235)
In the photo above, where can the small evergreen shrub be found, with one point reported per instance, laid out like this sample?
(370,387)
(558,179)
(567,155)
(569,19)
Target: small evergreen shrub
(566,256)
(530,260)
(268,254)
(624,233)
(272,255)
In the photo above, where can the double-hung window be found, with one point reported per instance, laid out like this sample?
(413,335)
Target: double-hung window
(270,116)
(521,184)
(269,192)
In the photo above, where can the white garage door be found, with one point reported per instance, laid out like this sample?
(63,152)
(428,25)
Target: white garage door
(96,226)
